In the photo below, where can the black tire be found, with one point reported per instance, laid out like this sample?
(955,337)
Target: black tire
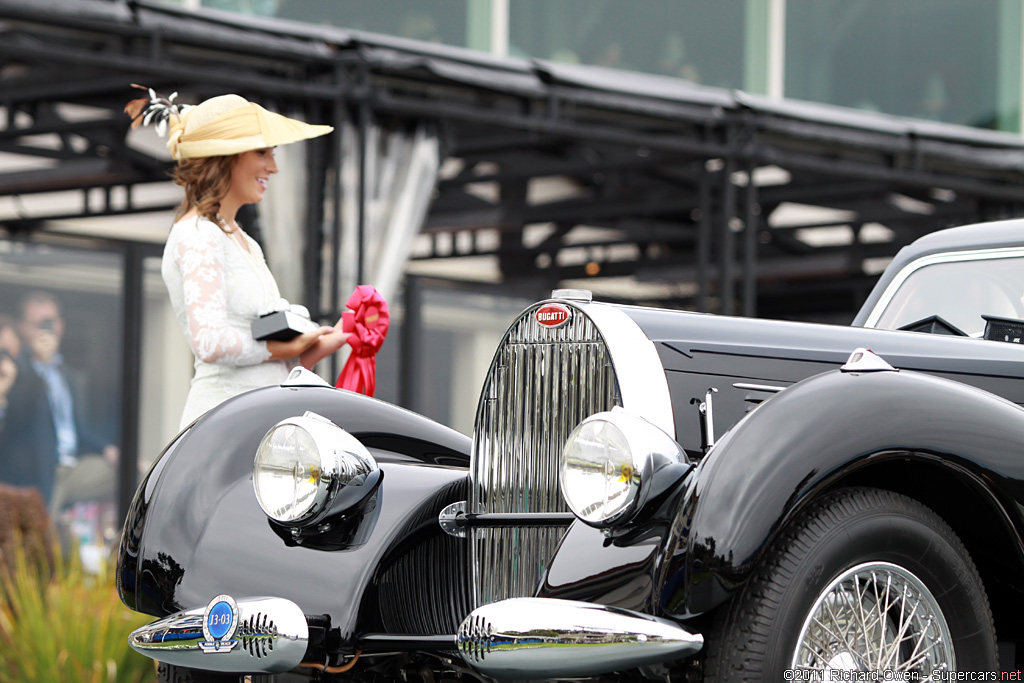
(863,534)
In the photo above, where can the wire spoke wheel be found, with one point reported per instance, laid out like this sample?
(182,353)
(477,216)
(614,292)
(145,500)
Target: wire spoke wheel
(875,617)
(864,584)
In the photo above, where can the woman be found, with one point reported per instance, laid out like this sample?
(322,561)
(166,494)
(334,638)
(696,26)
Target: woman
(216,275)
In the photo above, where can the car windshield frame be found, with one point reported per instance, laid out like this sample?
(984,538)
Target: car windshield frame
(907,273)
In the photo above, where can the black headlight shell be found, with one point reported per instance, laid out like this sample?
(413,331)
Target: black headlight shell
(613,463)
(307,469)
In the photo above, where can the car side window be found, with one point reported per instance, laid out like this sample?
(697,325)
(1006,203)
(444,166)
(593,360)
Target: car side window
(960,292)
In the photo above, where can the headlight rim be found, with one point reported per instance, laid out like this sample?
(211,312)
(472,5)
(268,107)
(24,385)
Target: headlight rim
(651,451)
(344,461)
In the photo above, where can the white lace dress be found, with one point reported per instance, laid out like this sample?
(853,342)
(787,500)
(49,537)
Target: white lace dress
(217,289)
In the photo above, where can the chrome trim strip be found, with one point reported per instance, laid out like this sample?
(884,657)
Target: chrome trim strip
(707,409)
(530,638)
(271,636)
(758,387)
(931,260)
(638,369)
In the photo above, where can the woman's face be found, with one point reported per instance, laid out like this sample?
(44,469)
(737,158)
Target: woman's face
(250,174)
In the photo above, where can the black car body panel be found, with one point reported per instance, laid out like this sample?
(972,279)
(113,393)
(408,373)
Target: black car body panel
(742,501)
(703,351)
(767,426)
(204,484)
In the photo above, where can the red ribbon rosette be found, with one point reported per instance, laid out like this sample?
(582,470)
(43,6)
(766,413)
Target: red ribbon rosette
(367,324)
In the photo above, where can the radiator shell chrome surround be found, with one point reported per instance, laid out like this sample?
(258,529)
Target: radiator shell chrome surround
(543,381)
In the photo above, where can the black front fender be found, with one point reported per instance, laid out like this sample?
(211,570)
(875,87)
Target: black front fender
(195,529)
(811,436)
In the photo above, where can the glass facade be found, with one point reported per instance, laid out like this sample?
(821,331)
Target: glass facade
(452,22)
(61,321)
(942,60)
(432,21)
(700,40)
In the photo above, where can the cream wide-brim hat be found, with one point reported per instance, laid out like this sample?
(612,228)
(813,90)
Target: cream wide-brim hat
(230,124)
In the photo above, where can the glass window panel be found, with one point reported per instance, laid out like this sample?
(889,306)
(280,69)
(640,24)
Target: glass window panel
(435,21)
(960,292)
(62,423)
(263,8)
(944,60)
(699,40)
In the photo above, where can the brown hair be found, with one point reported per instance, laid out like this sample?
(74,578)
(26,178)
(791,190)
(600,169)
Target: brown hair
(34,297)
(7,321)
(206,181)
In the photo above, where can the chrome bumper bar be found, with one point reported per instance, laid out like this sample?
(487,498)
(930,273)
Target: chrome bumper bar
(518,638)
(527,638)
(250,635)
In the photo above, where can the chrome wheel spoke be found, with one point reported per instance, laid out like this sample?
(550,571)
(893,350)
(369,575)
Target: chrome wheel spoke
(904,624)
(875,617)
(918,654)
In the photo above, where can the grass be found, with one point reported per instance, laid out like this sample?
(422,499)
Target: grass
(61,623)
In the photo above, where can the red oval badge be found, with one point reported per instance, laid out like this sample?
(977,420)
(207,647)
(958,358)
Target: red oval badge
(553,315)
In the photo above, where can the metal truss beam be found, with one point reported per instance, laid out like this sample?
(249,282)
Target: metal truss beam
(670,176)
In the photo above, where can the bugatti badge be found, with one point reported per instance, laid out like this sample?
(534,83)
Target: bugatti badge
(552,315)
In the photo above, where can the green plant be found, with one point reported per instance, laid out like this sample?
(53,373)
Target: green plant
(60,623)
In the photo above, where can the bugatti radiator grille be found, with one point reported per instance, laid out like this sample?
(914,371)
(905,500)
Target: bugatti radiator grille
(542,383)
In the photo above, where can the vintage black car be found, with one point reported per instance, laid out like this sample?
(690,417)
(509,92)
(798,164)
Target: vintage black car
(647,494)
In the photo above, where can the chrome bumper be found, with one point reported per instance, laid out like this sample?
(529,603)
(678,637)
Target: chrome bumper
(518,638)
(251,635)
(527,638)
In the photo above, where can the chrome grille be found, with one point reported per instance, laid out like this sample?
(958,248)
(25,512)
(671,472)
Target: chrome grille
(542,383)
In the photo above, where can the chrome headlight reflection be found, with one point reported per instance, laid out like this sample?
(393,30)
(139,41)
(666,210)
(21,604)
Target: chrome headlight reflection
(308,467)
(610,464)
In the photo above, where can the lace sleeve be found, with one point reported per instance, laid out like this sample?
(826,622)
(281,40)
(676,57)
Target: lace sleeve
(212,338)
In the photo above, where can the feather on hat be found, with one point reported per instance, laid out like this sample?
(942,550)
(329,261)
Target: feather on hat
(220,126)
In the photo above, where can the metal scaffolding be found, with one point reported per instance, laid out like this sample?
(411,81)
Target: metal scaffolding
(667,177)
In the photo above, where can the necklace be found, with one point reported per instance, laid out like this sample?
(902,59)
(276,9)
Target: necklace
(255,262)
(236,233)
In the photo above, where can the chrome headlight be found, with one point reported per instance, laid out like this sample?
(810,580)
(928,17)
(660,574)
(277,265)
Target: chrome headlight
(610,463)
(308,467)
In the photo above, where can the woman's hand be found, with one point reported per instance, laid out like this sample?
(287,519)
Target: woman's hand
(285,350)
(324,346)
(8,373)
